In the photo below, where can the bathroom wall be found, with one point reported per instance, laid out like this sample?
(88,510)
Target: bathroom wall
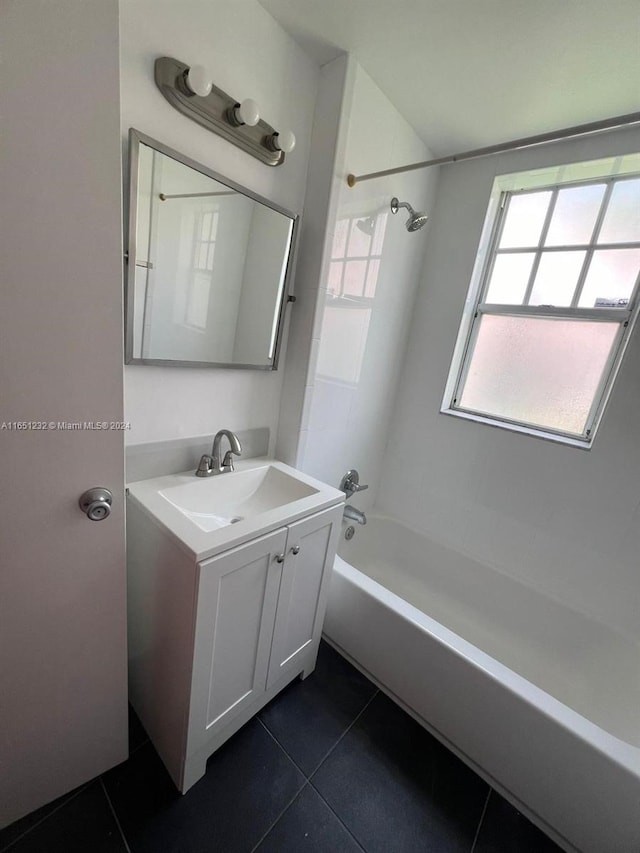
(370,270)
(249,55)
(328,139)
(564,520)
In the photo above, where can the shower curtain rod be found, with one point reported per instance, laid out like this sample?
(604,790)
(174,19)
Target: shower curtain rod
(514,145)
(165,196)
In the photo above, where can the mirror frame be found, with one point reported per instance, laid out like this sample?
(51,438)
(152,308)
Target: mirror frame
(136,138)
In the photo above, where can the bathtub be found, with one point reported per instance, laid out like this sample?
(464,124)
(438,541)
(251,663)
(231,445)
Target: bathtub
(541,701)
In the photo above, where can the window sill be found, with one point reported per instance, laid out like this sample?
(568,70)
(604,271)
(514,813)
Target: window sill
(545,435)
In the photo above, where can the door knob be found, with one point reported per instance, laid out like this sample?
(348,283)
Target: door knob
(295,549)
(96,503)
(280,558)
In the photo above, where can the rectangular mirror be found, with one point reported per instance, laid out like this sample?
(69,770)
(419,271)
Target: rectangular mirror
(209,265)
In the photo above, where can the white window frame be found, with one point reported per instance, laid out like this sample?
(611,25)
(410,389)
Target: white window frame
(555,178)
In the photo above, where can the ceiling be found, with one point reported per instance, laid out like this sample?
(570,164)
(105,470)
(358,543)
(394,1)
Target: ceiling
(470,73)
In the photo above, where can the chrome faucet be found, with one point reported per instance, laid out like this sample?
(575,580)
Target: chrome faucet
(210,464)
(350,484)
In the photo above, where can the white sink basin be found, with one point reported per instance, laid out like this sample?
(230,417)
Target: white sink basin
(207,515)
(214,502)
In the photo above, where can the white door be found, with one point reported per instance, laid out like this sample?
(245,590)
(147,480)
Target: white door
(311,543)
(62,580)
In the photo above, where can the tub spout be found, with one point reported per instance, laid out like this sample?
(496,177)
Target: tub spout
(354,514)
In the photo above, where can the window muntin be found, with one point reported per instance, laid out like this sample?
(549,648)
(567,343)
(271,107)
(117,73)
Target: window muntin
(562,271)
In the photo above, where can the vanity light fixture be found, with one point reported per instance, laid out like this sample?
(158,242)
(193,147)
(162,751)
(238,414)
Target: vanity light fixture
(198,81)
(190,90)
(248,112)
(284,141)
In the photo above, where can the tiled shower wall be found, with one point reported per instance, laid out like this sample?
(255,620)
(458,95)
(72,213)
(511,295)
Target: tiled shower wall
(369,273)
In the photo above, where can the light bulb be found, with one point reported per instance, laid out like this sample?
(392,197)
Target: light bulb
(284,140)
(248,112)
(198,80)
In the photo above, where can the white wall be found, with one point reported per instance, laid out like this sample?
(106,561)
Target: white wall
(328,137)
(249,55)
(565,520)
(362,342)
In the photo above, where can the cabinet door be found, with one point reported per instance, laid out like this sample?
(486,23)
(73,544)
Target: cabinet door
(311,545)
(237,598)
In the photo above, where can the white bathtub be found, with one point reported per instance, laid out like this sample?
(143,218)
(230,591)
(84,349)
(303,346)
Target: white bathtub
(540,700)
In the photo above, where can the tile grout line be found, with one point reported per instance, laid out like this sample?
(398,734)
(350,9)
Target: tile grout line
(310,783)
(281,814)
(344,733)
(115,816)
(337,817)
(484,811)
(315,770)
(46,817)
(132,752)
(308,778)
(328,805)
(277,742)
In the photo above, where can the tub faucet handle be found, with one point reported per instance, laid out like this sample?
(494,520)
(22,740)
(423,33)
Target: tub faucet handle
(350,483)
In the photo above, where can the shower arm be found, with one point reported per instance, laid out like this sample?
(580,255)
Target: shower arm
(514,145)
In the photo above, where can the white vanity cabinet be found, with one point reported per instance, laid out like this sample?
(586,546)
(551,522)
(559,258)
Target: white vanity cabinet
(213,641)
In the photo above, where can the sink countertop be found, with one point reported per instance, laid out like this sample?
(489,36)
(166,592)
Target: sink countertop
(201,544)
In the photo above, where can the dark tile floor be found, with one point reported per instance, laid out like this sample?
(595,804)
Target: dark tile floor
(330,766)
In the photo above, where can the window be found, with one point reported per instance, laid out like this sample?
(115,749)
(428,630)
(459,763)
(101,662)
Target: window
(351,288)
(205,230)
(355,257)
(553,301)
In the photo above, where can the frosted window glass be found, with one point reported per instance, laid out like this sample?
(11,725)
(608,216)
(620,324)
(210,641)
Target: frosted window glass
(509,278)
(556,279)
(611,277)
(622,220)
(574,215)
(524,220)
(538,371)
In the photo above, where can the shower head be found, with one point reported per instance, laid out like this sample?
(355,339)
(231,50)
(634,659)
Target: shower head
(416,219)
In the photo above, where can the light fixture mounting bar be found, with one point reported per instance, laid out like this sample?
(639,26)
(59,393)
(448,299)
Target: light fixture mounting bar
(212,111)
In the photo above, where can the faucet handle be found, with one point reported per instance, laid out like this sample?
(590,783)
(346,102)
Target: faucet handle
(350,483)
(227,462)
(205,466)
